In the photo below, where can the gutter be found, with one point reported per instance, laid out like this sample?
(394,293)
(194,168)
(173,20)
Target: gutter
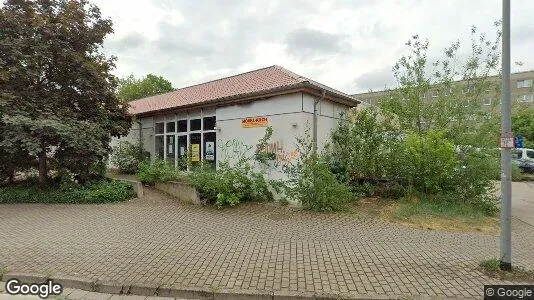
(350,101)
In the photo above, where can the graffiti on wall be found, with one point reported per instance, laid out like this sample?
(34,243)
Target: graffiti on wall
(283,157)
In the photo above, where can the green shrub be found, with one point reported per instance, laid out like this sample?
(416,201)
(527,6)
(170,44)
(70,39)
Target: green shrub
(157,171)
(102,191)
(127,157)
(312,182)
(316,187)
(230,184)
(432,161)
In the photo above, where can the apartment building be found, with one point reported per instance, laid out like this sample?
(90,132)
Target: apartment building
(522,92)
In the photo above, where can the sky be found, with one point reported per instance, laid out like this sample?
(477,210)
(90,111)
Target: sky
(350,45)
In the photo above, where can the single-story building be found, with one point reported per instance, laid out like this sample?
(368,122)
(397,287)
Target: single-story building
(203,120)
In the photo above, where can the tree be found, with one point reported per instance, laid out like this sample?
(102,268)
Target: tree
(131,88)
(57,96)
(523,124)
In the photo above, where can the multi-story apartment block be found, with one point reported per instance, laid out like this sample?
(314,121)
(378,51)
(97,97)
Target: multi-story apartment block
(522,90)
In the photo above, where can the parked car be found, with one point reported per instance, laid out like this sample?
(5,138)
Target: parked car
(524,158)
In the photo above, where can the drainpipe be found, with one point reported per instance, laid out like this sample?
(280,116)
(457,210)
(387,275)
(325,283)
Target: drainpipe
(140,136)
(317,101)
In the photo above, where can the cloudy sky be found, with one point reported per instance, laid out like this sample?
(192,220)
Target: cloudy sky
(350,45)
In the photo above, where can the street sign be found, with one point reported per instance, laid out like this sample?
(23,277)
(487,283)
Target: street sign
(507,142)
(519,141)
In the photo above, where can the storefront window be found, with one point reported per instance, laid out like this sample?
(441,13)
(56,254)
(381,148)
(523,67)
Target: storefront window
(170,149)
(159,128)
(160,150)
(196,149)
(209,123)
(210,146)
(182,126)
(195,125)
(171,126)
(187,140)
(182,152)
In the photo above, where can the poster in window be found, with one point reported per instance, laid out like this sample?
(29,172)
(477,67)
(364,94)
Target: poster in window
(182,151)
(210,151)
(170,149)
(195,152)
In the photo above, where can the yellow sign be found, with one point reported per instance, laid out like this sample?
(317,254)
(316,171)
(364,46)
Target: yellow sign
(195,152)
(254,122)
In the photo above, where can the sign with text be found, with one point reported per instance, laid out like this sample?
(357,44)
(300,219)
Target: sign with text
(195,152)
(254,122)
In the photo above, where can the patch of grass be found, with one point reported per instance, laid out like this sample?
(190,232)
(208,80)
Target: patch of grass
(425,214)
(442,215)
(491,264)
(491,268)
(102,191)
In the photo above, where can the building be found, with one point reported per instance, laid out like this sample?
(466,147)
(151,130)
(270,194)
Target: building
(522,91)
(204,122)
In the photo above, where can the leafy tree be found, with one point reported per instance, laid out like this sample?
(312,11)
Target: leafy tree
(57,96)
(430,132)
(131,88)
(523,125)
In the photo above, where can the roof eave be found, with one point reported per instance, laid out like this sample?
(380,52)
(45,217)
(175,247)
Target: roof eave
(300,86)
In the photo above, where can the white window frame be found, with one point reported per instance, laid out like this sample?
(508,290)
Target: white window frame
(524,98)
(180,117)
(525,83)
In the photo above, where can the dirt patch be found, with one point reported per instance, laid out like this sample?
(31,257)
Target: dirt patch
(388,210)
(517,274)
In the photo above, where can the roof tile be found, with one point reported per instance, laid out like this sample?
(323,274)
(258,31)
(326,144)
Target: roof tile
(274,77)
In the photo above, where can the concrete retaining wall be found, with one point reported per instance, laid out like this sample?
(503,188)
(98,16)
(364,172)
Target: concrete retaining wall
(182,191)
(136,185)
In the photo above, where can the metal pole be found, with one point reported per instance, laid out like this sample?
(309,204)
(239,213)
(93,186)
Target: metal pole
(506,131)
(314,137)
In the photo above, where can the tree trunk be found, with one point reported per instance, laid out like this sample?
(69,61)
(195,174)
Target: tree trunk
(43,170)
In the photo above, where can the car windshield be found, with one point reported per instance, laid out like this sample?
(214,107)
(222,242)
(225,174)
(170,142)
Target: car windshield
(516,154)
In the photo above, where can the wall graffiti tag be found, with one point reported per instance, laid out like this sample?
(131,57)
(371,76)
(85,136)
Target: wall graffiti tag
(283,157)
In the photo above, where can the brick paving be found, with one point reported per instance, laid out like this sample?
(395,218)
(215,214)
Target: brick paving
(156,240)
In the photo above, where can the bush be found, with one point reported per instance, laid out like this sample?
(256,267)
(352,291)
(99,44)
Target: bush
(102,191)
(431,161)
(230,184)
(315,186)
(127,157)
(157,171)
(312,182)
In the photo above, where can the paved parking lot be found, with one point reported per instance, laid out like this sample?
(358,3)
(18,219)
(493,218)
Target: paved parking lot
(253,247)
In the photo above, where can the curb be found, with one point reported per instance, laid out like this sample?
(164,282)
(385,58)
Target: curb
(110,287)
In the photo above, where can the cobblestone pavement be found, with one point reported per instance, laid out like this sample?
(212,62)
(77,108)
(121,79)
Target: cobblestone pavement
(77,294)
(155,240)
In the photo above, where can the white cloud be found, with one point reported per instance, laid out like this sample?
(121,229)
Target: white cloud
(349,45)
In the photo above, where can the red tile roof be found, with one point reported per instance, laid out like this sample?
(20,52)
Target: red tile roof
(253,83)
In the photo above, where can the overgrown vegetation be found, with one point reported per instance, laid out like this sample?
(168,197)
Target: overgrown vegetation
(127,157)
(311,181)
(430,135)
(158,171)
(102,191)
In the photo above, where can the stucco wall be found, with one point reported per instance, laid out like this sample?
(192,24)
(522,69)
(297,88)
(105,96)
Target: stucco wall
(288,115)
(284,115)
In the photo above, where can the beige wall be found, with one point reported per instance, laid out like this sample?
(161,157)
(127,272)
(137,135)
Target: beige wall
(288,115)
